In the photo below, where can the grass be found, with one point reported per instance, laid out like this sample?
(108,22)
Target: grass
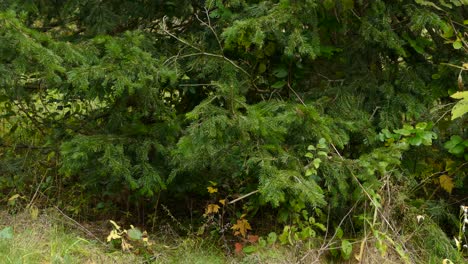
(47,241)
(51,238)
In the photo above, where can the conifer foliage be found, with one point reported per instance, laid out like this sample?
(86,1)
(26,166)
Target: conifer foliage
(300,102)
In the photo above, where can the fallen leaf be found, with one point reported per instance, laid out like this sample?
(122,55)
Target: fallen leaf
(238,248)
(252,238)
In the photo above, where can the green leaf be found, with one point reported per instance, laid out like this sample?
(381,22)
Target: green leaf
(339,233)
(457,44)
(280,72)
(249,249)
(346,249)
(310,147)
(387,133)
(262,68)
(465,143)
(320,226)
(307,233)
(435,76)
(322,153)
(403,132)
(421,126)
(310,171)
(272,237)
(460,109)
(317,162)
(134,234)
(415,141)
(279,84)
(6,233)
(427,138)
(309,155)
(322,143)
(458,149)
(456,139)
(262,242)
(284,237)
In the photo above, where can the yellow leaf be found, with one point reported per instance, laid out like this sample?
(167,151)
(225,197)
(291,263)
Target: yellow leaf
(126,246)
(115,224)
(212,190)
(447,261)
(14,197)
(34,211)
(446,183)
(241,227)
(113,235)
(212,209)
(222,201)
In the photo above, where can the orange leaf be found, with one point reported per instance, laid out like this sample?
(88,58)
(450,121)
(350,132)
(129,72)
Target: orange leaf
(446,183)
(238,247)
(252,238)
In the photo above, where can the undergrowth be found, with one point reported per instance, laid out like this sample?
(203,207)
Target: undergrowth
(52,237)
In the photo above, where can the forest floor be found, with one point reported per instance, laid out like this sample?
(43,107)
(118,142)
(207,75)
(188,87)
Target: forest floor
(50,237)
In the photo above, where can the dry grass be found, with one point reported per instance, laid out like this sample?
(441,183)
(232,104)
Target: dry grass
(46,240)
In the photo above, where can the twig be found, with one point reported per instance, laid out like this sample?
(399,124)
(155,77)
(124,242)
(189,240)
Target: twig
(79,225)
(453,65)
(210,27)
(37,189)
(337,152)
(290,87)
(325,246)
(373,113)
(197,84)
(243,196)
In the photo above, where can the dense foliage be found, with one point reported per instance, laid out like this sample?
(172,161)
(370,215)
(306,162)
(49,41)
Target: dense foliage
(314,109)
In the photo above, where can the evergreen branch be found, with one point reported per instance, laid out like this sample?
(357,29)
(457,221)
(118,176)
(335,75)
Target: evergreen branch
(201,52)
